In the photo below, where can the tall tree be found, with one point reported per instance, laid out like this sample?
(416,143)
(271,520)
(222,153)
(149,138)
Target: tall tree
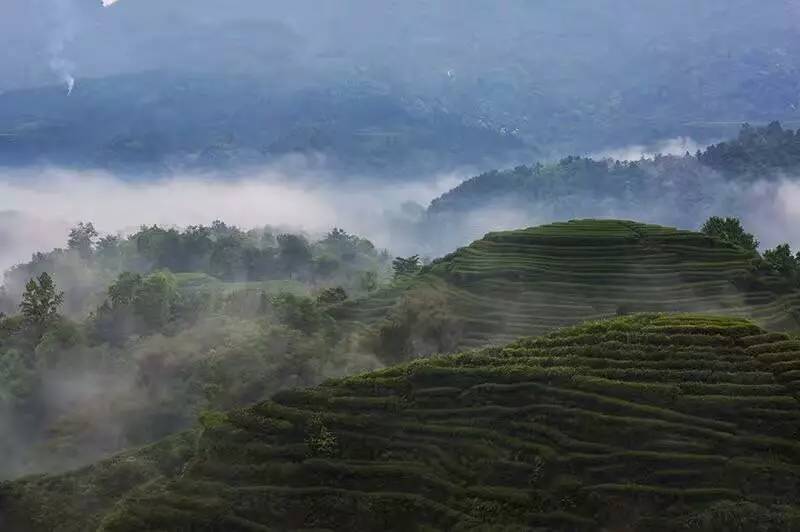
(82,238)
(295,253)
(40,302)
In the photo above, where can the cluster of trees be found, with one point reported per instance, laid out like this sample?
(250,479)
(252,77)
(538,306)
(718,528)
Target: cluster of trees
(229,253)
(169,354)
(730,230)
(756,152)
(163,316)
(780,259)
(90,262)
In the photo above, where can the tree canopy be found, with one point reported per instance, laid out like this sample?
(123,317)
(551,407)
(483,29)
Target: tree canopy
(730,230)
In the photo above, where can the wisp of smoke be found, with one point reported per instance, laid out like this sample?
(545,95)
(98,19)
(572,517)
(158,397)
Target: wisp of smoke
(65,30)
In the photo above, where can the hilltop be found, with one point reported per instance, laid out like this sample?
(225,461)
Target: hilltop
(649,421)
(213,325)
(527,282)
(732,177)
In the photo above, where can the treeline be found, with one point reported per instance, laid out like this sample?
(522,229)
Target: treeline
(686,182)
(117,341)
(89,263)
(755,152)
(148,361)
(779,259)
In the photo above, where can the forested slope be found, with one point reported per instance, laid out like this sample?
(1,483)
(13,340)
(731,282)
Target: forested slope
(518,283)
(737,177)
(661,422)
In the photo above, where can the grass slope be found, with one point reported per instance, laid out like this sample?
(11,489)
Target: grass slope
(652,421)
(528,282)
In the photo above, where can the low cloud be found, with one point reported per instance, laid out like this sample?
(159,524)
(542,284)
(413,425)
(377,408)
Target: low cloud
(772,212)
(635,152)
(37,207)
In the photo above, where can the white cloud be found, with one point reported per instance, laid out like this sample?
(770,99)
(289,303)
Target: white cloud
(635,152)
(41,205)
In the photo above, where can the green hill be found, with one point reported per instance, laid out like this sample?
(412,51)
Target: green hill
(527,282)
(731,177)
(659,422)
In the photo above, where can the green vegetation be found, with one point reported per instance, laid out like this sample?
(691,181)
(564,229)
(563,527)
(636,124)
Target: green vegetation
(519,283)
(677,190)
(164,347)
(730,230)
(649,421)
(85,373)
(756,152)
(226,254)
(164,350)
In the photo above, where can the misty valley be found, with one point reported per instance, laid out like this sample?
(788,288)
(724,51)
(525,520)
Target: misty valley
(418,266)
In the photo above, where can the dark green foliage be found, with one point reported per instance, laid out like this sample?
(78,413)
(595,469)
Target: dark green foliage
(155,298)
(407,266)
(158,348)
(518,437)
(784,262)
(730,230)
(294,253)
(301,313)
(420,324)
(756,152)
(124,291)
(40,303)
(517,283)
(228,254)
(662,415)
(82,239)
(332,296)
(139,304)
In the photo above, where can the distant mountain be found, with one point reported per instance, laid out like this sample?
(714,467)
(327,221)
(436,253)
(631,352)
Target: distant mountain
(657,422)
(156,122)
(452,81)
(679,190)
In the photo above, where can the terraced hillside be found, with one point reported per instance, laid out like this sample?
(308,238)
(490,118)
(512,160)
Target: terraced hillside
(645,422)
(527,282)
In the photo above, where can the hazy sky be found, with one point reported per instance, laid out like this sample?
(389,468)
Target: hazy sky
(404,38)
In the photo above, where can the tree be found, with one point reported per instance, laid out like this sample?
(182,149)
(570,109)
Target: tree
(124,290)
(40,302)
(297,312)
(325,266)
(114,321)
(332,296)
(406,266)
(81,239)
(730,230)
(782,260)
(155,299)
(108,252)
(368,281)
(227,259)
(295,253)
